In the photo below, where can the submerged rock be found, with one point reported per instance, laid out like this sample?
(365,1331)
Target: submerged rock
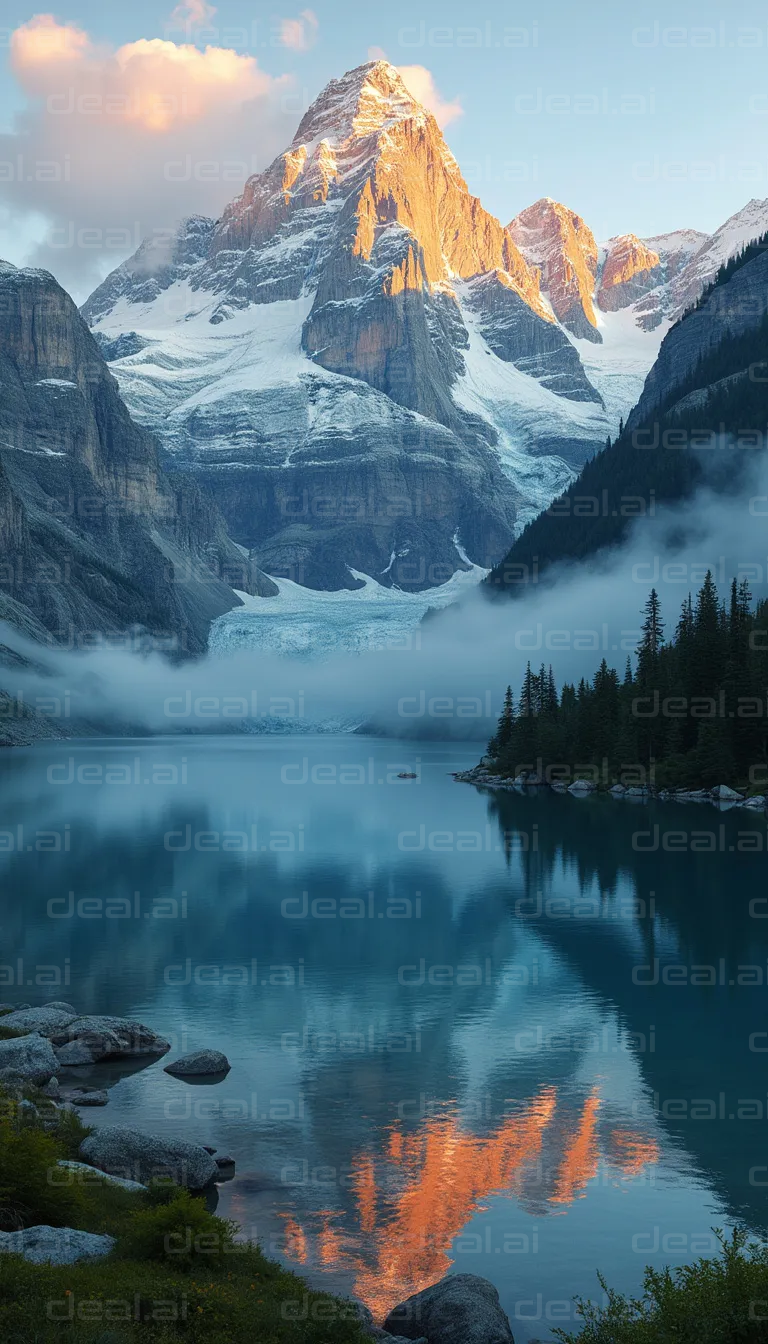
(134,1155)
(45,1245)
(460,1309)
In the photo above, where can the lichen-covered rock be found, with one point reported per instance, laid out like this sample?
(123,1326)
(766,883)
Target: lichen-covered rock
(46,1021)
(104,1037)
(56,1245)
(137,1156)
(29,1057)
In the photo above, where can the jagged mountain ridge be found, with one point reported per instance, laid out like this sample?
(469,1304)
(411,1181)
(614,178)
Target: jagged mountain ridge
(701,419)
(357,329)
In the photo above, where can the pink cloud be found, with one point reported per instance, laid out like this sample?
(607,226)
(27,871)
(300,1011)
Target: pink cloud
(300,34)
(193,13)
(421,83)
(118,143)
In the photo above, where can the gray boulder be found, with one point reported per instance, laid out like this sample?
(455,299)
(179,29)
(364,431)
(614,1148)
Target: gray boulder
(83,1174)
(29,1057)
(198,1064)
(460,1309)
(85,1096)
(46,1021)
(88,1049)
(724,794)
(62,1007)
(106,1037)
(580,786)
(55,1245)
(365,1317)
(136,1156)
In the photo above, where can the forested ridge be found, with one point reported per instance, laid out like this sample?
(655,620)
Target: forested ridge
(692,713)
(689,438)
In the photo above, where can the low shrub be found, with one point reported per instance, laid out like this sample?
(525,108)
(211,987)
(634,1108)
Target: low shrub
(180,1232)
(723,1300)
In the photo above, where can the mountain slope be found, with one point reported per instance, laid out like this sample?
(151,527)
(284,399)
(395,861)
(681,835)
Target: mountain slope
(95,540)
(701,395)
(364,369)
(319,342)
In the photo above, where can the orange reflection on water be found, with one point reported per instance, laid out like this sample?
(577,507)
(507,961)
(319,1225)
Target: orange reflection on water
(416,1197)
(448,1172)
(631,1152)
(581,1156)
(295,1240)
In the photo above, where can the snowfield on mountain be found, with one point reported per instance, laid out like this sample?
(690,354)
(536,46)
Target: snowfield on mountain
(359,362)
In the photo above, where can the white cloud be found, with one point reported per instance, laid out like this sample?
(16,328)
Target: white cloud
(421,83)
(117,143)
(193,13)
(300,34)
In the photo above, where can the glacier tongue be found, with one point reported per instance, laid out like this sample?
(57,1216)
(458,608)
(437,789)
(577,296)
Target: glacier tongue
(304,623)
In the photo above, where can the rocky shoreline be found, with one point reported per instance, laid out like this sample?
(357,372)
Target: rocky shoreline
(38,1044)
(721,796)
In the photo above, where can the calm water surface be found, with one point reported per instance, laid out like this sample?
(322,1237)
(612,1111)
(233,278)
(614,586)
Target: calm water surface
(519,1036)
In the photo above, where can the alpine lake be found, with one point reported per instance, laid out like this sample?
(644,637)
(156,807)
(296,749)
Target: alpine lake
(513,1034)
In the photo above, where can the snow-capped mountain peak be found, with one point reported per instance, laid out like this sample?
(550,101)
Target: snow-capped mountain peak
(361,363)
(363,102)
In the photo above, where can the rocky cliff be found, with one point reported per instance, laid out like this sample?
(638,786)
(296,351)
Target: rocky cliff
(562,249)
(95,538)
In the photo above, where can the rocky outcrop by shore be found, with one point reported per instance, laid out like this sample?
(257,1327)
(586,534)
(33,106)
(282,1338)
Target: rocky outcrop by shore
(721,796)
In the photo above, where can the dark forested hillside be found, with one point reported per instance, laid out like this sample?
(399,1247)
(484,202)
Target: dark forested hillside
(693,712)
(703,415)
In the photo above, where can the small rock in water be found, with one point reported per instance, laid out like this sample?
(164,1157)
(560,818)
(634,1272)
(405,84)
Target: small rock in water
(199,1064)
(726,795)
(86,1096)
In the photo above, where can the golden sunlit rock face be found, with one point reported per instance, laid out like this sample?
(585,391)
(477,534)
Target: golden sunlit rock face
(562,248)
(415,1197)
(383,212)
(630,269)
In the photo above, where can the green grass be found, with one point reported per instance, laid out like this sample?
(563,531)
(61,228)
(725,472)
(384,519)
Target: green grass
(723,1300)
(177,1274)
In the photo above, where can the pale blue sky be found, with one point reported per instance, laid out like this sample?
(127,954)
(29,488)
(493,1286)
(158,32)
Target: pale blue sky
(643,130)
